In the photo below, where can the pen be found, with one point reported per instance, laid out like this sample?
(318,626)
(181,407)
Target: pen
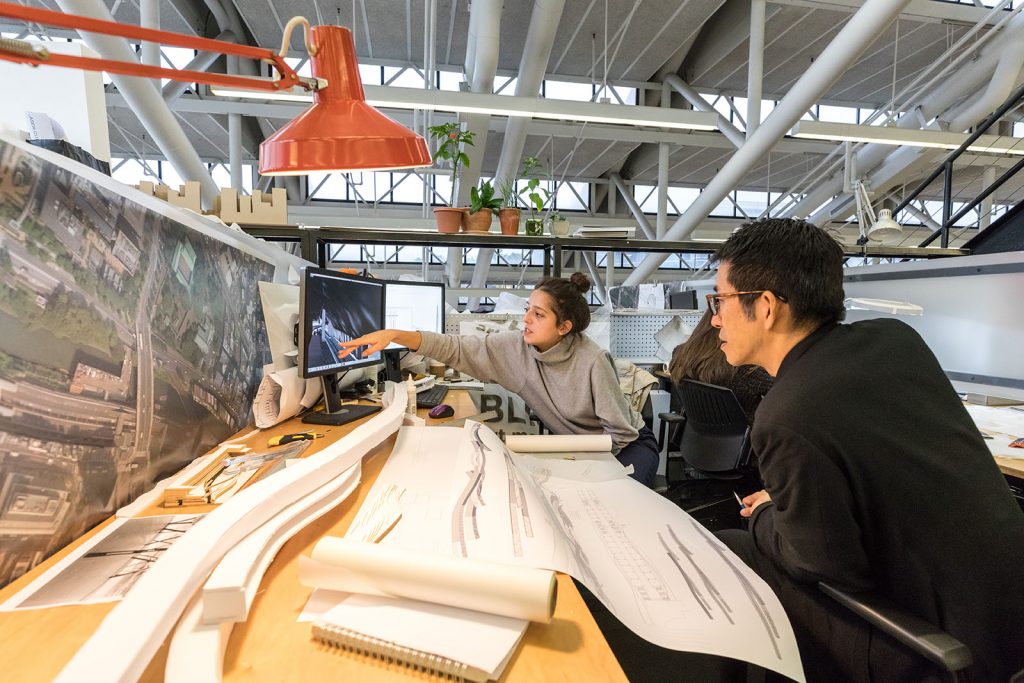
(739,500)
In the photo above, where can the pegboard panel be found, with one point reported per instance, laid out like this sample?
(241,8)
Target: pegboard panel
(633,333)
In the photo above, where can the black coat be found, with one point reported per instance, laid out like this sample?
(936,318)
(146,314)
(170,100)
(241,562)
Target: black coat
(880,481)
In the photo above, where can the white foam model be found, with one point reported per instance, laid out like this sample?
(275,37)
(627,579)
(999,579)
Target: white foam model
(128,637)
(196,654)
(229,592)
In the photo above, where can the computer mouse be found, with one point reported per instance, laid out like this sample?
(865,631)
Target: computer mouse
(441,410)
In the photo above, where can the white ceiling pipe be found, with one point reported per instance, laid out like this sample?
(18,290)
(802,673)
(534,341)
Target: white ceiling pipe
(969,79)
(540,38)
(860,31)
(894,166)
(145,100)
(734,134)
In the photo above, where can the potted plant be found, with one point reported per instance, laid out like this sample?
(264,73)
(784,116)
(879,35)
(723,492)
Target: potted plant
(452,140)
(482,207)
(532,170)
(558,224)
(509,213)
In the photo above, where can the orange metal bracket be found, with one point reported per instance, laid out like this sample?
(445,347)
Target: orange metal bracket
(26,53)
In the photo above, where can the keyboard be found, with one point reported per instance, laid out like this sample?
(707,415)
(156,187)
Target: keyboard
(431,397)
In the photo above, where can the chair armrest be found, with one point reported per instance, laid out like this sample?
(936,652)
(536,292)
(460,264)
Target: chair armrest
(665,420)
(920,636)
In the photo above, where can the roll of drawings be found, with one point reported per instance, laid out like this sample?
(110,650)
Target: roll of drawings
(558,443)
(340,564)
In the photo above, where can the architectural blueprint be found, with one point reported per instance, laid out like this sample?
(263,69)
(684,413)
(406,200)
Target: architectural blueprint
(661,573)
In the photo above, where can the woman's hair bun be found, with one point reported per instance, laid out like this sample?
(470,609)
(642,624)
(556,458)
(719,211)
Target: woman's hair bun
(581,282)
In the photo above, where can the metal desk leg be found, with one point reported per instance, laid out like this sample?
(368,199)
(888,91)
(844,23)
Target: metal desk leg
(547,260)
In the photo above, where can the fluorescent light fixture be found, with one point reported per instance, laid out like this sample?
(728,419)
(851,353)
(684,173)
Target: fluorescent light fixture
(883,306)
(501,105)
(889,135)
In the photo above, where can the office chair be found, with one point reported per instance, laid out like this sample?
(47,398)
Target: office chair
(910,630)
(711,431)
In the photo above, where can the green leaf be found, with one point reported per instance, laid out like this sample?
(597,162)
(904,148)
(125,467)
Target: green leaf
(463,159)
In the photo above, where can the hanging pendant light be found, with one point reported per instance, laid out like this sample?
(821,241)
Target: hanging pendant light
(340,132)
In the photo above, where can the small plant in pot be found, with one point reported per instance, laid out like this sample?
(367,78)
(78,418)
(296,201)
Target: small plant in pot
(509,213)
(558,224)
(536,196)
(451,139)
(482,207)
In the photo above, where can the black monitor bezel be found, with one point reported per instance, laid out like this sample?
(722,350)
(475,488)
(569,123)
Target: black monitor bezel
(306,327)
(440,285)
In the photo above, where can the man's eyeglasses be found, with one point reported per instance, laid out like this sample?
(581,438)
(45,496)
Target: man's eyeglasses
(714,300)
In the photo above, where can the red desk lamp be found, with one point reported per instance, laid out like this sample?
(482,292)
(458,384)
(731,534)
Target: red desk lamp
(340,132)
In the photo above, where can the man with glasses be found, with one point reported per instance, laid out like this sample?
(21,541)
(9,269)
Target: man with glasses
(875,477)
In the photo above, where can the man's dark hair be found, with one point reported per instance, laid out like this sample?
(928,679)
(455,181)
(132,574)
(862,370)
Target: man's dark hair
(797,261)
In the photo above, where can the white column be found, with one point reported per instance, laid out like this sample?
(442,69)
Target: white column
(755,65)
(662,224)
(149,17)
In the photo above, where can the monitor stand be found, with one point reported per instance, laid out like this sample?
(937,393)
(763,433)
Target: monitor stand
(334,412)
(392,364)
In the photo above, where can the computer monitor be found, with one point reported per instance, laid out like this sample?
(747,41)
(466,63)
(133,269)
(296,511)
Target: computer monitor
(411,306)
(414,306)
(685,300)
(335,307)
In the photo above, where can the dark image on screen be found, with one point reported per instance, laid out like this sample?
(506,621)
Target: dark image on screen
(339,309)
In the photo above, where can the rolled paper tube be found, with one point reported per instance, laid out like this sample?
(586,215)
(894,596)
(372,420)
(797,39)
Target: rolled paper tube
(356,567)
(558,443)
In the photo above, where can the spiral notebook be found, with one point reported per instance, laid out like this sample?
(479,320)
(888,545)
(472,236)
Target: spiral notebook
(449,641)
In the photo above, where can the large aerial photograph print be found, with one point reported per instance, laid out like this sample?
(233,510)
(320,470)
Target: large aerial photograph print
(130,343)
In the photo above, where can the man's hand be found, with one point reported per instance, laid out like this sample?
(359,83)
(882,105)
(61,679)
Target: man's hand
(378,341)
(752,501)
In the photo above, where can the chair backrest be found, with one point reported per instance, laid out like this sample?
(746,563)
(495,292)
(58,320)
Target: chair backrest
(716,432)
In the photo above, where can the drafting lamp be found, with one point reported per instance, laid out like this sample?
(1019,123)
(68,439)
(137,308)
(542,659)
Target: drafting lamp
(878,228)
(340,132)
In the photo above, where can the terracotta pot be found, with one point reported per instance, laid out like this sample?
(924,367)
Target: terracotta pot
(448,219)
(509,220)
(477,222)
(534,226)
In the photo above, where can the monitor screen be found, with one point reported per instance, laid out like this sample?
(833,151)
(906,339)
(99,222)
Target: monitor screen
(686,300)
(335,307)
(414,306)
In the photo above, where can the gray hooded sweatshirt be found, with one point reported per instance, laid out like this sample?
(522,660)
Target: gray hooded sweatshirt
(572,387)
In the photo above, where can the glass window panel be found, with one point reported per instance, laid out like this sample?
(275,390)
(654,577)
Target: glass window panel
(449,80)
(627,95)
(837,114)
(565,200)
(408,189)
(332,189)
(753,203)
(130,173)
(505,86)
(169,176)
(443,187)
(409,78)
(682,197)
(563,90)
(724,208)
(647,197)
(370,74)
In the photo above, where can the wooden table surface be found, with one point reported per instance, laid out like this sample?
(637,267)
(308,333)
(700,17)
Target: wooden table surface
(272,646)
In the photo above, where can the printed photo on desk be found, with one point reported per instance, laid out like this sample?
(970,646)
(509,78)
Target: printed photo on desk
(132,343)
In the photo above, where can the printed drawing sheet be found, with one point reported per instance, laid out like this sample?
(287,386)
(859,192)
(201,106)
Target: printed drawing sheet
(659,571)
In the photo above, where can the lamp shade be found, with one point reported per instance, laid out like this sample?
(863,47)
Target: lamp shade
(885,227)
(340,132)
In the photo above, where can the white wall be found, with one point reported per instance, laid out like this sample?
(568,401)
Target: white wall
(71,97)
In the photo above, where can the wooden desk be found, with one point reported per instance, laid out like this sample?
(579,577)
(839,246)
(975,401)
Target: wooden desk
(1014,467)
(35,645)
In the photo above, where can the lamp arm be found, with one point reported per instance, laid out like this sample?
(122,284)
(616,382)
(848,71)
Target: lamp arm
(25,53)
